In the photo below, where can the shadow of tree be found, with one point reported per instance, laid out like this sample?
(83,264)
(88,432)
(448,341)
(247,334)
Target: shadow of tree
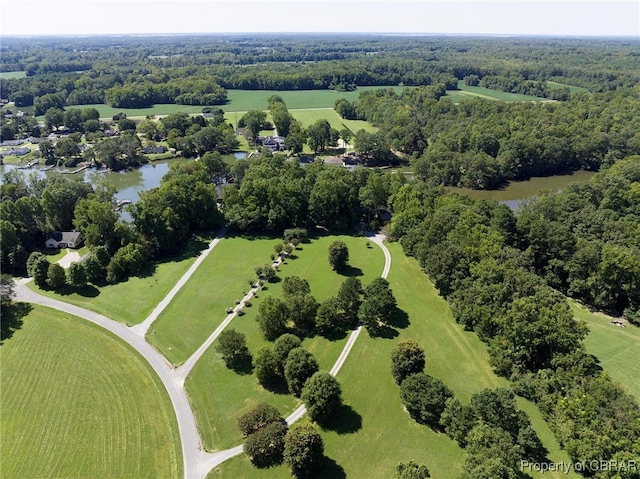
(242,365)
(399,319)
(350,271)
(329,469)
(345,421)
(11,319)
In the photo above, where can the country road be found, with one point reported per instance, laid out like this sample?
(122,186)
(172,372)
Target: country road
(197,462)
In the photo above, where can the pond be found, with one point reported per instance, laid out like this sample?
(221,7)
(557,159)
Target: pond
(517,191)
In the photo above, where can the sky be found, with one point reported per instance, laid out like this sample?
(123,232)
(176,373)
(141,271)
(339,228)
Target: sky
(501,17)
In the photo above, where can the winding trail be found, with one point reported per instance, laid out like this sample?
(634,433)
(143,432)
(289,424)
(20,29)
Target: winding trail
(197,463)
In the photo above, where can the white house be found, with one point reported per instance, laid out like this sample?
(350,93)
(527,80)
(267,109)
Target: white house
(64,239)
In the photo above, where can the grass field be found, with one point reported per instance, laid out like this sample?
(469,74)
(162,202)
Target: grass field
(142,293)
(616,347)
(200,305)
(78,403)
(310,116)
(377,432)
(218,396)
(242,101)
(489,94)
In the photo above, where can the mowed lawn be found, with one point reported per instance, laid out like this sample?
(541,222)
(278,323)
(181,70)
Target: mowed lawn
(79,403)
(617,348)
(309,116)
(218,395)
(131,301)
(377,432)
(199,307)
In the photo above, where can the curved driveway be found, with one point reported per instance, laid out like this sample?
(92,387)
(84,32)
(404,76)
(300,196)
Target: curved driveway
(196,462)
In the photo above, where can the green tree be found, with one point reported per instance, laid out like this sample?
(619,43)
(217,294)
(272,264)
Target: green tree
(253,121)
(265,447)
(297,137)
(293,285)
(76,275)
(330,317)
(319,135)
(232,345)
(350,297)
(407,358)
(424,397)
(272,318)
(303,449)
(299,367)
(302,310)
(338,255)
(53,118)
(282,347)
(258,417)
(56,277)
(322,396)
(94,270)
(411,470)
(38,267)
(266,367)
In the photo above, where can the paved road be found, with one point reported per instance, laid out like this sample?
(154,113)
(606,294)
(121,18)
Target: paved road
(301,410)
(197,463)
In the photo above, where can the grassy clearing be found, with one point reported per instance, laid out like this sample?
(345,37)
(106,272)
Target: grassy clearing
(377,432)
(489,94)
(200,306)
(572,89)
(12,75)
(616,347)
(142,293)
(77,403)
(218,396)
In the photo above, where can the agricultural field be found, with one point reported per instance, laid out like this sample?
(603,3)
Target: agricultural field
(616,347)
(218,395)
(77,403)
(376,432)
(143,292)
(310,116)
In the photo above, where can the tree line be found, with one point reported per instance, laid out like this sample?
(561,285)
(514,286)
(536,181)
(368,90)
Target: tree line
(494,270)
(198,70)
